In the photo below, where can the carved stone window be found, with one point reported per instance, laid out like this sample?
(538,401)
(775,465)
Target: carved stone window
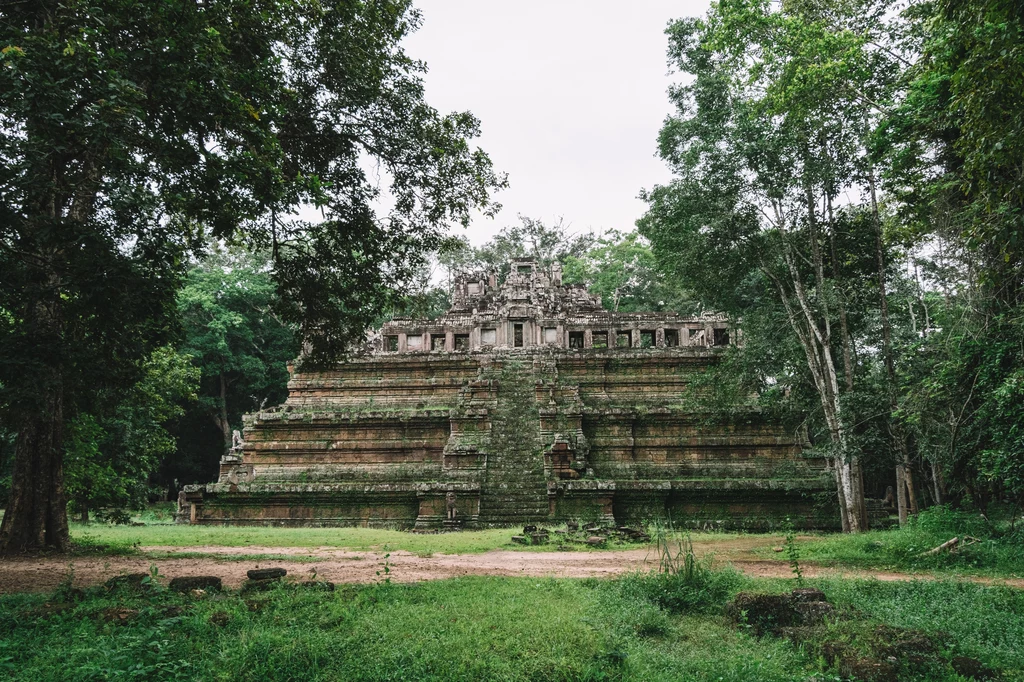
(575,339)
(550,335)
(721,337)
(462,342)
(437,342)
(473,288)
(517,335)
(624,338)
(414,342)
(488,337)
(600,339)
(391,343)
(671,337)
(647,338)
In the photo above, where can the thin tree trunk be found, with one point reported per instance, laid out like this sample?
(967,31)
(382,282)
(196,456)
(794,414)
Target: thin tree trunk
(847,345)
(225,424)
(908,475)
(940,497)
(854,498)
(903,476)
(901,494)
(827,387)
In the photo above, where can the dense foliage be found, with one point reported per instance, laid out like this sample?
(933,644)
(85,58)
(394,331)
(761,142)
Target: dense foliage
(111,454)
(847,182)
(131,133)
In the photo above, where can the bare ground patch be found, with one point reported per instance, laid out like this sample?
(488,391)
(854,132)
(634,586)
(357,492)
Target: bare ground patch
(44,573)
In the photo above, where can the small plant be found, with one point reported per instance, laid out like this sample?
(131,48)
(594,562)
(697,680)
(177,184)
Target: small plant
(675,554)
(66,591)
(385,570)
(792,553)
(150,581)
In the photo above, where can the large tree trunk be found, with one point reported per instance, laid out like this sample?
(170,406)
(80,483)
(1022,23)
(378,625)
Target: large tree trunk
(36,516)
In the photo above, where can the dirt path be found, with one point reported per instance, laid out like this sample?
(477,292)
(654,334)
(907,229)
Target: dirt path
(41,574)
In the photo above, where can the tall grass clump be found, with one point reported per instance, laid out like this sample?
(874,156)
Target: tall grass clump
(682,582)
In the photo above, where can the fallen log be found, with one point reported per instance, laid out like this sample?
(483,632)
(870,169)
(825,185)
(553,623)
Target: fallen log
(948,544)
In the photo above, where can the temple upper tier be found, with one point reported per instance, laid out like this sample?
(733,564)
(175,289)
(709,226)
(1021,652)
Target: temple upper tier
(532,308)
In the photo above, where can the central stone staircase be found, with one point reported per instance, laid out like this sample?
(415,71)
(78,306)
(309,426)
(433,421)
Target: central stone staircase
(516,488)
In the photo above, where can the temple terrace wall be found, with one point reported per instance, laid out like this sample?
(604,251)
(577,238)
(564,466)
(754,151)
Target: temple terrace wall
(526,402)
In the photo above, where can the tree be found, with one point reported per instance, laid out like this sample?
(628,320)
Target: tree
(953,150)
(622,270)
(531,239)
(131,133)
(773,128)
(111,455)
(235,337)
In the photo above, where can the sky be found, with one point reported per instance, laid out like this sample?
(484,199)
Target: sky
(570,95)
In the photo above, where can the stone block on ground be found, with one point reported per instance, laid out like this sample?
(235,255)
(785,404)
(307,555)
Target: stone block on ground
(773,613)
(519,539)
(129,581)
(806,594)
(973,668)
(250,586)
(266,573)
(763,613)
(196,582)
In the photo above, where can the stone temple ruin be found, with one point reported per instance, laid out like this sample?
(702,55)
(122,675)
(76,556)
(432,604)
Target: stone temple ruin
(526,402)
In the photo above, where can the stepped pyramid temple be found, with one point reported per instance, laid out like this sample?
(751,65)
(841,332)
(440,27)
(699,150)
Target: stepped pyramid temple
(526,402)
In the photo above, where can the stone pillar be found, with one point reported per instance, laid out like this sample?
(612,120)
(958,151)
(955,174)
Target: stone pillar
(449,341)
(401,342)
(588,338)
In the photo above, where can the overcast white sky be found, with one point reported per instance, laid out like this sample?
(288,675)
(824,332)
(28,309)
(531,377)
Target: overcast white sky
(570,94)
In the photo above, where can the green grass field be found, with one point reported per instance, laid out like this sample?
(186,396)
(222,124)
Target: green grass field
(123,539)
(472,629)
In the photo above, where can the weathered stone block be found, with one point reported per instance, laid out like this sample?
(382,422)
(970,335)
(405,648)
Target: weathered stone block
(196,582)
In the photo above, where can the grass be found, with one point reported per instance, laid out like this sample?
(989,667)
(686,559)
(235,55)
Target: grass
(464,629)
(245,558)
(998,553)
(471,629)
(985,622)
(117,539)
